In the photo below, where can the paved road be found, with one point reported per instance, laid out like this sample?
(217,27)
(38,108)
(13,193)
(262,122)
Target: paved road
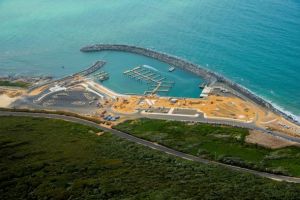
(201,119)
(152,145)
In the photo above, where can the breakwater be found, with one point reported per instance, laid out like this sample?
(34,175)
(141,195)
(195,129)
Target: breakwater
(94,67)
(209,76)
(172,60)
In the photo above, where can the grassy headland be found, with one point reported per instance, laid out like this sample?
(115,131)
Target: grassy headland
(222,143)
(14,84)
(54,159)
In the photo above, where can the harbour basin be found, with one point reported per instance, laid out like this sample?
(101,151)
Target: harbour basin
(185,84)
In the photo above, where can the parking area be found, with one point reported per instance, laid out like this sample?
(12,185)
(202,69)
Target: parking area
(184,111)
(158,110)
(71,98)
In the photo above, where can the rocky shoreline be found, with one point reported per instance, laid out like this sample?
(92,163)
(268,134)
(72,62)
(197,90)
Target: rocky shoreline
(209,76)
(26,79)
(94,67)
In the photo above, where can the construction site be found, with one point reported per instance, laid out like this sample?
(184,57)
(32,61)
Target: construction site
(84,93)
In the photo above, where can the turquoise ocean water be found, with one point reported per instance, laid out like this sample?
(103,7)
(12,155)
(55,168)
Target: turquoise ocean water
(255,43)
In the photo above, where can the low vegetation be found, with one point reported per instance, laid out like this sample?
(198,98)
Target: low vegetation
(54,159)
(57,112)
(222,143)
(14,84)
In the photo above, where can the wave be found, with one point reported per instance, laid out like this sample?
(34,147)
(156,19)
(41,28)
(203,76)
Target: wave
(295,117)
(150,67)
(276,106)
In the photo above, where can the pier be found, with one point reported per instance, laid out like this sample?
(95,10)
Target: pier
(140,73)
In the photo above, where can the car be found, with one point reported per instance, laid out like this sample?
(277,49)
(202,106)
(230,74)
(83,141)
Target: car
(109,118)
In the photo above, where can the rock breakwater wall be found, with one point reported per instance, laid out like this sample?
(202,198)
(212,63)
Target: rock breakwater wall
(94,67)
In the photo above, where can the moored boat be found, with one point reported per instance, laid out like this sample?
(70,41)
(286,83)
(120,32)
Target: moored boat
(171,68)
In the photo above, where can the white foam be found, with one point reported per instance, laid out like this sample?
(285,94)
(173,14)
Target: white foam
(149,67)
(281,109)
(295,117)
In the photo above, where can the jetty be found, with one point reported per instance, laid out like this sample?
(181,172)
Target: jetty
(101,76)
(95,67)
(155,80)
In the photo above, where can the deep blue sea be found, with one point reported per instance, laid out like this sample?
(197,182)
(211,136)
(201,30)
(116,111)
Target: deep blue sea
(255,43)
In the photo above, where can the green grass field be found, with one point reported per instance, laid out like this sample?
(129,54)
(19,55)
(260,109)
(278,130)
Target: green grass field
(14,84)
(54,159)
(223,143)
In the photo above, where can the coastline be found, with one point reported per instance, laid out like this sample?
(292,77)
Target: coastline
(209,76)
(85,72)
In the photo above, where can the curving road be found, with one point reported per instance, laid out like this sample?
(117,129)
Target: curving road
(201,119)
(151,144)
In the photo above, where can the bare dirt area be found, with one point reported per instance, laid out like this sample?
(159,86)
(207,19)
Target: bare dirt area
(39,90)
(100,133)
(263,139)
(271,121)
(5,101)
(8,96)
(12,93)
(128,105)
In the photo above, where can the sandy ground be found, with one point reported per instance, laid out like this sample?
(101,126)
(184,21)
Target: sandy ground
(37,91)
(100,133)
(5,100)
(129,105)
(272,121)
(218,107)
(12,92)
(212,107)
(8,96)
(103,89)
(285,126)
(257,137)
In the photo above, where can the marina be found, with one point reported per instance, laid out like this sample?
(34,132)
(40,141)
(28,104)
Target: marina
(190,45)
(157,83)
(186,84)
(209,76)
(150,99)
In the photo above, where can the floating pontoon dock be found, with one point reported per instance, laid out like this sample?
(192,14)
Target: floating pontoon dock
(158,85)
(101,76)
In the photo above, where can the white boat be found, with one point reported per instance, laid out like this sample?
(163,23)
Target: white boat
(171,69)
